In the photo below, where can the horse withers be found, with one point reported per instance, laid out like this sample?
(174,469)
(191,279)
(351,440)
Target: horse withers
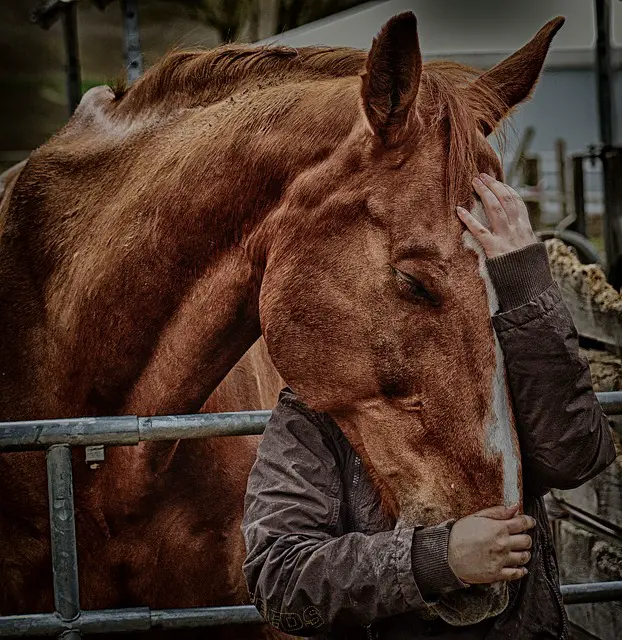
(307,195)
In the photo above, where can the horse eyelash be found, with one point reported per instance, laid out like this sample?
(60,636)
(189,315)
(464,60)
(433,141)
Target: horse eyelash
(416,287)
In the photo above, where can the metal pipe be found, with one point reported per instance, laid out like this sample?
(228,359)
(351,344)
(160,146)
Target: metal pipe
(567,510)
(63,536)
(133,54)
(128,430)
(40,434)
(611,402)
(206,617)
(203,425)
(586,251)
(592,592)
(36,624)
(144,619)
(124,620)
(74,80)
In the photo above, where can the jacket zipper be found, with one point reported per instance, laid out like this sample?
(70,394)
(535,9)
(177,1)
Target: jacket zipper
(558,597)
(547,566)
(355,481)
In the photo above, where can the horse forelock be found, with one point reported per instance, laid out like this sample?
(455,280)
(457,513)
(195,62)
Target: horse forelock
(450,98)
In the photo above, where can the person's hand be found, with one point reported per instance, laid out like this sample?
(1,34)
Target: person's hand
(490,545)
(510,228)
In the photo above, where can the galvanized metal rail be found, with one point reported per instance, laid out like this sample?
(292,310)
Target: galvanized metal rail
(58,436)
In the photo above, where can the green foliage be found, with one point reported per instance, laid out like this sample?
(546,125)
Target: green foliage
(225,16)
(228,17)
(295,13)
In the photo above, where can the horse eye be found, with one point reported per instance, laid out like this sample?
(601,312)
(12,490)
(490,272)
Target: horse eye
(415,287)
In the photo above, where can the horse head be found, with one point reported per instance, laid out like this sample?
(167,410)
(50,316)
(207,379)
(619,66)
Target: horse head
(375,302)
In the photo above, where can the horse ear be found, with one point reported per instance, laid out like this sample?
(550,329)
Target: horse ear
(391,79)
(513,80)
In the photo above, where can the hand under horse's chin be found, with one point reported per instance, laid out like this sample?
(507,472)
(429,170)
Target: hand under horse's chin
(465,606)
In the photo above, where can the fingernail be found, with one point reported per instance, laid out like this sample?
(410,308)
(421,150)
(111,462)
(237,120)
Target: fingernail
(477,181)
(484,176)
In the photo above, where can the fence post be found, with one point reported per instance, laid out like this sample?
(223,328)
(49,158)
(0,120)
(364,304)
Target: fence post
(612,219)
(578,192)
(63,536)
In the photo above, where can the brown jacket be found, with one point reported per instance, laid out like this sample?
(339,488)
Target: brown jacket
(322,559)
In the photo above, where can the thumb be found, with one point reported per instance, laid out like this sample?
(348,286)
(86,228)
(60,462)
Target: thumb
(499,512)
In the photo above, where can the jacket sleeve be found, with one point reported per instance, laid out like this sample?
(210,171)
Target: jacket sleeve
(305,575)
(564,435)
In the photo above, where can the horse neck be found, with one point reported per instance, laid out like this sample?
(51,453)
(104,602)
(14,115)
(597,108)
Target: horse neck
(242,170)
(150,299)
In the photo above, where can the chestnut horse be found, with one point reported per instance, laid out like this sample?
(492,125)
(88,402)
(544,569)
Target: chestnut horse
(306,195)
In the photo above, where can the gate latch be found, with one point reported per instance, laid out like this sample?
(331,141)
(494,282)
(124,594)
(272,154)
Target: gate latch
(94,455)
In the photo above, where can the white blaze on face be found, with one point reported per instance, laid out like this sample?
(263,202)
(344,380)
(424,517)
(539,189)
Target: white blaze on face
(499,437)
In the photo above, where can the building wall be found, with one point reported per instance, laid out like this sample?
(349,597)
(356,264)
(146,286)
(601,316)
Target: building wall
(463,26)
(483,32)
(564,105)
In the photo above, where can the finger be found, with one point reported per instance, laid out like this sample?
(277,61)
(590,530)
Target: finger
(521,208)
(512,574)
(517,558)
(520,523)
(499,512)
(502,192)
(492,207)
(521,542)
(473,225)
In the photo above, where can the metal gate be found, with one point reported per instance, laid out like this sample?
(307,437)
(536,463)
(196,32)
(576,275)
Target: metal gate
(57,437)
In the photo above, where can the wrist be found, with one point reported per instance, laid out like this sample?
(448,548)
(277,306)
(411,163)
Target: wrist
(520,276)
(430,561)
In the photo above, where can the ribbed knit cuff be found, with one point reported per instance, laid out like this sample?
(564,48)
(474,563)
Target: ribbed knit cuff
(430,562)
(520,276)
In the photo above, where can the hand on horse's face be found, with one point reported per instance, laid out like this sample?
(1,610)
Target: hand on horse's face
(510,228)
(490,546)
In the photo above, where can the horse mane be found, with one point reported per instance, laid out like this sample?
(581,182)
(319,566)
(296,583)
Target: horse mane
(448,95)
(186,79)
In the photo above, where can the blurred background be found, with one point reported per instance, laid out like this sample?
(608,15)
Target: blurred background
(33,58)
